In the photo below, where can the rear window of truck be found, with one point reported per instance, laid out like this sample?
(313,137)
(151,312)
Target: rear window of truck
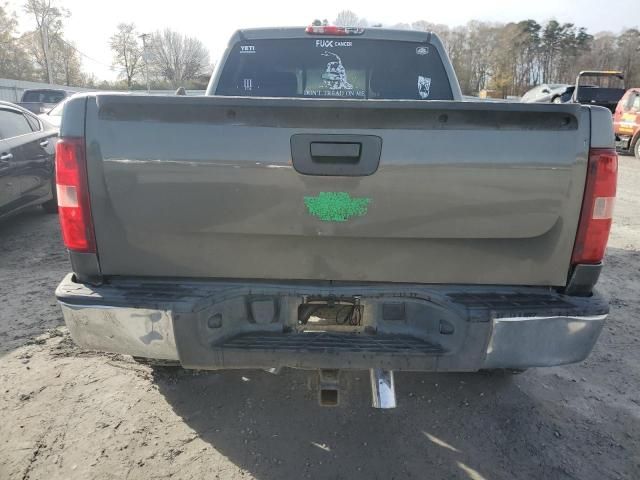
(335,67)
(42,96)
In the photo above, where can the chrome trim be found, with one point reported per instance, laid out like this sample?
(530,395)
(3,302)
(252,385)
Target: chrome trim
(587,318)
(383,390)
(523,342)
(139,332)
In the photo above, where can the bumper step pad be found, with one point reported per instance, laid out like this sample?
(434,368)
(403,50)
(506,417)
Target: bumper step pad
(327,342)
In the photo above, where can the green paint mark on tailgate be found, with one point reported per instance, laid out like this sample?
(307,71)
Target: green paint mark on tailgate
(336,206)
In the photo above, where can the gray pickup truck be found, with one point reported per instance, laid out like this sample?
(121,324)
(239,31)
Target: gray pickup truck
(331,204)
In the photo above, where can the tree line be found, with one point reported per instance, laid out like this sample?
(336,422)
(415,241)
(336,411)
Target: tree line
(41,54)
(167,58)
(511,58)
(164,58)
(507,58)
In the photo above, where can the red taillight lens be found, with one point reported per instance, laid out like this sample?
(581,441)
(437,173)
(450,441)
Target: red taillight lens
(73,196)
(597,206)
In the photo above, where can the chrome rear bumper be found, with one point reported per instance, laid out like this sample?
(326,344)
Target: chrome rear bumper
(212,325)
(522,342)
(140,332)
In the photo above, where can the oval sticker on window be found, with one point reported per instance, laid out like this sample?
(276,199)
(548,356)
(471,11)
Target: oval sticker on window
(422,50)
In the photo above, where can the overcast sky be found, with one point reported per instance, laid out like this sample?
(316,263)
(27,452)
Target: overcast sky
(92,22)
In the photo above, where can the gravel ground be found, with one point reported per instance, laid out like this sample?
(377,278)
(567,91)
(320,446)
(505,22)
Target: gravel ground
(68,413)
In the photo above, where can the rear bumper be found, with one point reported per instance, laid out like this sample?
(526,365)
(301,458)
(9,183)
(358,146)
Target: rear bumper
(224,324)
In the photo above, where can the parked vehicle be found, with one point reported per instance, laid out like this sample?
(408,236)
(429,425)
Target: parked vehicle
(626,122)
(26,161)
(602,96)
(318,210)
(54,116)
(41,100)
(546,93)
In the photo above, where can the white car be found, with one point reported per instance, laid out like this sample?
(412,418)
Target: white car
(54,116)
(546,93)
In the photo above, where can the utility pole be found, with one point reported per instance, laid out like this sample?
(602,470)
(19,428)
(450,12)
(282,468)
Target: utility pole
(144,57)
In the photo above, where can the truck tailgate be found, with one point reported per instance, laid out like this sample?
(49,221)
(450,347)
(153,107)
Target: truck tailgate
(485,193)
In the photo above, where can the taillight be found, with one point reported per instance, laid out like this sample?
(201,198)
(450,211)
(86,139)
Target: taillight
(333,30)
(73,196)
(597,206)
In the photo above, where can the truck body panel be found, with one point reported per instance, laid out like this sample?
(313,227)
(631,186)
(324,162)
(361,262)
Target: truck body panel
(326,207)
(205,187)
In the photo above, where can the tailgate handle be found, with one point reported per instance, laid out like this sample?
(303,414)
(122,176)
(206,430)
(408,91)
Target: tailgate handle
(335,152)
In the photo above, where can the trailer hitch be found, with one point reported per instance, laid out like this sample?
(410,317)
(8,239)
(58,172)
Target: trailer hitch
(329,388)
(383,391)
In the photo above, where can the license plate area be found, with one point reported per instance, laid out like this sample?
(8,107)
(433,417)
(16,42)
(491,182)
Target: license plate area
(330,314)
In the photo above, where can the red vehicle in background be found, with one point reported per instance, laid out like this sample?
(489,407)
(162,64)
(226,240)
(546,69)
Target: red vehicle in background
(626,122)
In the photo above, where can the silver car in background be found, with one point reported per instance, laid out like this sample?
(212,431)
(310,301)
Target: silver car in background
(546,93)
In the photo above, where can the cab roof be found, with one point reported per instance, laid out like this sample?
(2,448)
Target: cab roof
(376,33)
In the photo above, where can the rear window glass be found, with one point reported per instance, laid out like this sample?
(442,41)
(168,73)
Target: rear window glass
(43,96)
(330,67)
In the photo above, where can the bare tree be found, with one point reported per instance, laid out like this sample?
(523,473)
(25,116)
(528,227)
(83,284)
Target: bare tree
(127,52)
(628,47)
(14,59)
(48,18)
(347,18)
(176,57)
(68,68)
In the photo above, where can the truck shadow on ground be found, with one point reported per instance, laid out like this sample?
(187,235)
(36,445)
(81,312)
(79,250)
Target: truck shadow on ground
(467,426)
(563,423)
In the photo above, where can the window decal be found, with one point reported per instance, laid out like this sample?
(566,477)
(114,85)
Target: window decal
(424,85)
(335,76)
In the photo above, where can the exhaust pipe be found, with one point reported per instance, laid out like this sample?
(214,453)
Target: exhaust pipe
(383,390)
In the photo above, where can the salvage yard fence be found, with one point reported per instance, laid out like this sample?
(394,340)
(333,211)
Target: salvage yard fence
(11,90)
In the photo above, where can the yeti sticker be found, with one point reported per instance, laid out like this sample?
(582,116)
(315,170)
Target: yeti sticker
(424,84)
(335,75)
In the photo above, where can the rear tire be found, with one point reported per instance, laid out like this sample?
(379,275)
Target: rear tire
(636,149)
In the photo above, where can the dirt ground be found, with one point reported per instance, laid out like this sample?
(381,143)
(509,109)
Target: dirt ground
(67,413)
